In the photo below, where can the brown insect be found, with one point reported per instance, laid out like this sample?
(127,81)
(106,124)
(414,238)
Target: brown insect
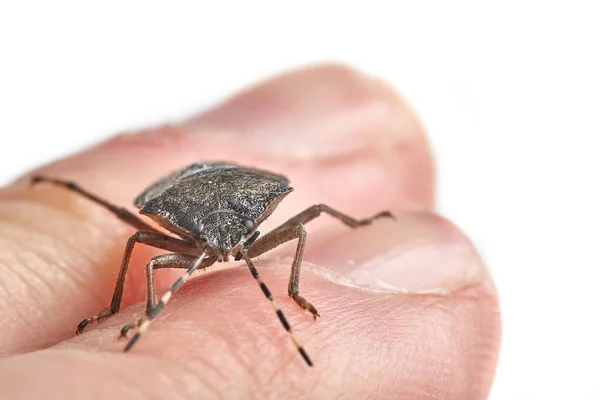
(213,211)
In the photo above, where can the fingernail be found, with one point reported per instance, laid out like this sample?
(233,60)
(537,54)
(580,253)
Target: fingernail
(317,112)
(416,253)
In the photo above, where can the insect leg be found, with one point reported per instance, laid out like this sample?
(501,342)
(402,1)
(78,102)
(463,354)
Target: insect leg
(276,238)
(171,260)
(314,211)
(292,229)
(154,239)
(122,213)
(278,311)
(142,324)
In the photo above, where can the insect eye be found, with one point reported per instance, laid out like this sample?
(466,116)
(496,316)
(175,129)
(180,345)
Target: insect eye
(249,225)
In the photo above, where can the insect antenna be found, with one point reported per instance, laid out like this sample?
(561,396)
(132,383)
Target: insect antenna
(278,311)
(143,323)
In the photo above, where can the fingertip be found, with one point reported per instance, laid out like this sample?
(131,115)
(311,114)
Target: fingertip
(65,251)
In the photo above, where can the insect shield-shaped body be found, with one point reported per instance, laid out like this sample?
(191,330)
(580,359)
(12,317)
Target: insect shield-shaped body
(217,206)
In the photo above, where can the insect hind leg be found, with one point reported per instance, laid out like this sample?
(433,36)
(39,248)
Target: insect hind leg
(316,210)
(122,213)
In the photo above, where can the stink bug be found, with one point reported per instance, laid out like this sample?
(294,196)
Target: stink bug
(212,211)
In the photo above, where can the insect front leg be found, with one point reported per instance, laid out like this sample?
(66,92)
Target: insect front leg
(172,260)
(143,324)
(154,239)
(276,238)
(292,229)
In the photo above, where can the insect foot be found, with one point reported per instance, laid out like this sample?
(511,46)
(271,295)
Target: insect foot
(138,328)
(305,305)
(127,328)
(90,320)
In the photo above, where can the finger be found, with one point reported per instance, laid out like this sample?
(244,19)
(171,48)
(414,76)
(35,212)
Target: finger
(61,254)
(415,317)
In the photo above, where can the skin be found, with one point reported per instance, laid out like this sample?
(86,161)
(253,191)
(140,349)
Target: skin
(343,139)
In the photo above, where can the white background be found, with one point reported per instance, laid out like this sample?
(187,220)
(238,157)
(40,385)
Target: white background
(510,94)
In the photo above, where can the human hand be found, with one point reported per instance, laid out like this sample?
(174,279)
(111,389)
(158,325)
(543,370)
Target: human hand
(408,309)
